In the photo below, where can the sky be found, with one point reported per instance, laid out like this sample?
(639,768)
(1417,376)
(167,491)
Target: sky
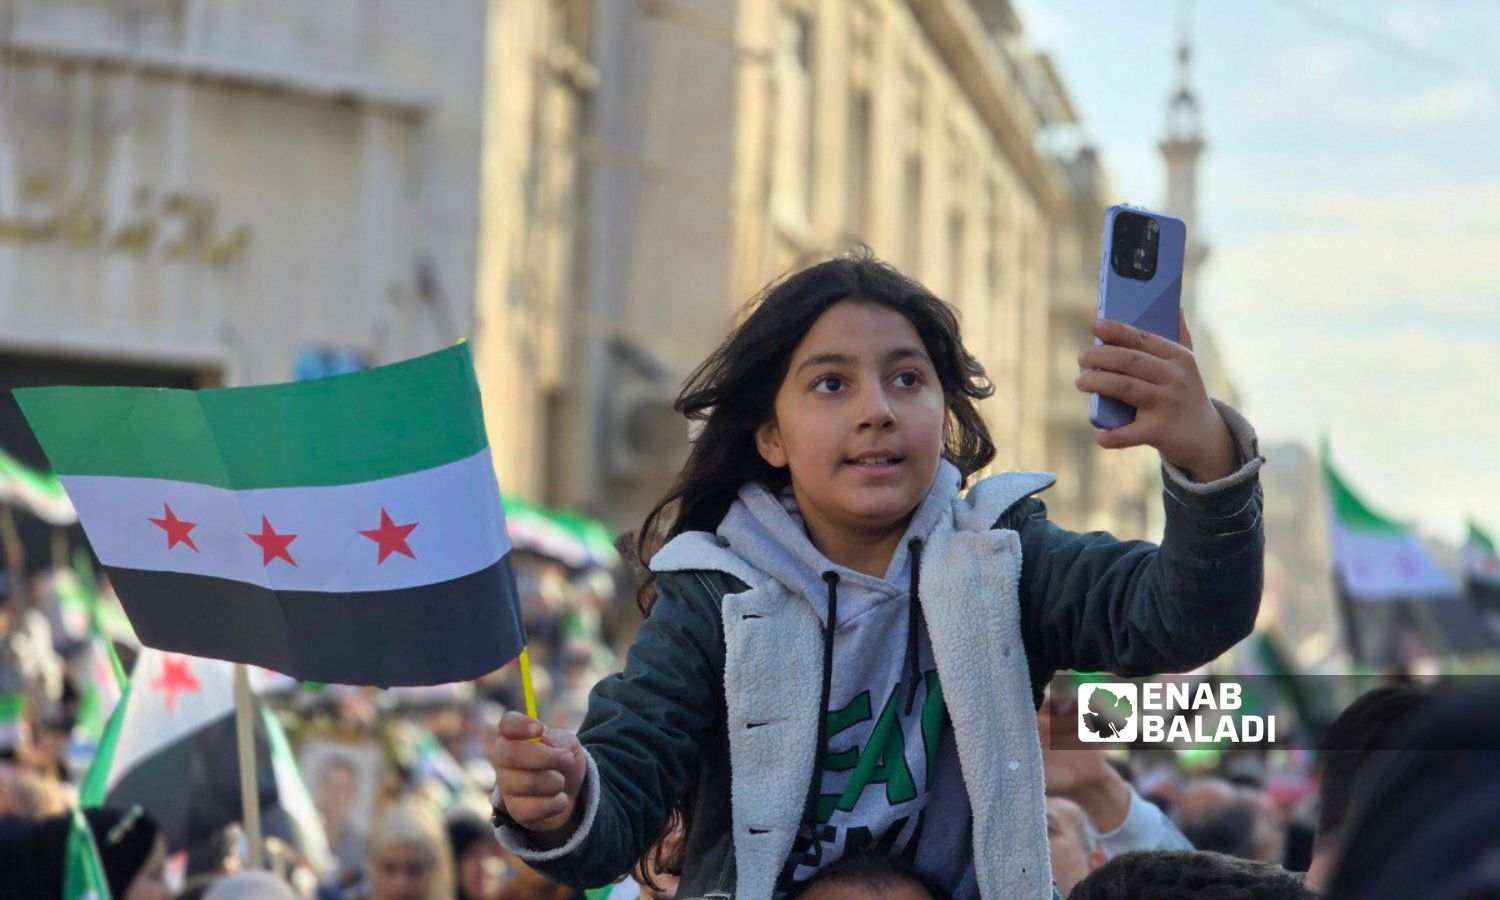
(1350,195)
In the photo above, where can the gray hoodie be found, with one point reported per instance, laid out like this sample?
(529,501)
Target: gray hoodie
(890,776)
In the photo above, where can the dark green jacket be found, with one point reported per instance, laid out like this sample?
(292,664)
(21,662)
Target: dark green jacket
(661,729)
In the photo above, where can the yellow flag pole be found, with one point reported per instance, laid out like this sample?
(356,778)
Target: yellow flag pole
(526,689)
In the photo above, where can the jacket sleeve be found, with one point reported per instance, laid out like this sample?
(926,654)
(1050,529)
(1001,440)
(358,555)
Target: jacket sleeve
(1095,603)
(642,733)
(1145,827)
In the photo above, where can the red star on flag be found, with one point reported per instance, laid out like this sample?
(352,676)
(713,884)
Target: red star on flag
(176,529)
(175,677)
(272,545)
(390,536)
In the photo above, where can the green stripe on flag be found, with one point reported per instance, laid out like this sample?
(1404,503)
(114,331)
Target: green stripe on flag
(1348,508)
(83,872)
(1478,538)
(96,780)
(378,423)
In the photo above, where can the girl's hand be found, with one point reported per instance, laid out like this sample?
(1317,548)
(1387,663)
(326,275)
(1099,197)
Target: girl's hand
(1160,378)
(539,781)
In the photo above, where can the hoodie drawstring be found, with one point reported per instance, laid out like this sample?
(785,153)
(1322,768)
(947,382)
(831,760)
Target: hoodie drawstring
(914,622)
(821,752)
(913,660)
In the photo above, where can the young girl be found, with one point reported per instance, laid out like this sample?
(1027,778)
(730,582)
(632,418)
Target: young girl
(842,653)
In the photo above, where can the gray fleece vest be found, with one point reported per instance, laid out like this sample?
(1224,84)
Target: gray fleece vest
(971,575)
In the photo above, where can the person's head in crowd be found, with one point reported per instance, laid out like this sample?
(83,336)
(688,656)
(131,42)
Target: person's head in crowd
(1189,875)
(28,794)
(1268,834)
(131,850)
(409,855)
(1073,843)
(868,877)
(578,663)
(1424,819)
(1228,828)
(254,885)
(479,862)
(1354,744)
(337,789)
(1202,793)
(1217,816)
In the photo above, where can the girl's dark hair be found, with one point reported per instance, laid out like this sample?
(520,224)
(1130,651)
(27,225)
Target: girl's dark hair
(733,392)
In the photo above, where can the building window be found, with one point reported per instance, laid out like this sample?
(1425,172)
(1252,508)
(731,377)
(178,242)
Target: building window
(913,124)
(857,170)
(911,214)
(794,143)
(861,68)
(957,233)
(992,238)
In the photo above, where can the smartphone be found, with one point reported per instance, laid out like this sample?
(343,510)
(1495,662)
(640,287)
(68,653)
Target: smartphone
(1140,284)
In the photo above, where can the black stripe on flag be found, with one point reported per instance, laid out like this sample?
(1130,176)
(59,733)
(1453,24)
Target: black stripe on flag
(192,786)
(434,634)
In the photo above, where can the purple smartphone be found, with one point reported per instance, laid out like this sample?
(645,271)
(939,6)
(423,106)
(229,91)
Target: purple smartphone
(1140,284)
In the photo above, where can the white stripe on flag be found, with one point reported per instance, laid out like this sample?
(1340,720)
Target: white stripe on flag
(1388,565)
(171,696)
(460,528)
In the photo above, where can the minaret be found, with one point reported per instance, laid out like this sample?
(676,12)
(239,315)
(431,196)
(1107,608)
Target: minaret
(1180,148)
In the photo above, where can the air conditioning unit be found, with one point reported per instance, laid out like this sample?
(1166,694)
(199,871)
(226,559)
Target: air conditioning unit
(647,439)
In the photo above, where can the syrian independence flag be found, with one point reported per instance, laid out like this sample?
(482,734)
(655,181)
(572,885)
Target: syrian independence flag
(1482,569)
(171,747)
(345,530)
(1377,559)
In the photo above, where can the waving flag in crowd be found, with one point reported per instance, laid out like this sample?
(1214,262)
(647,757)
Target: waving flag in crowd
(171,748)
(1396,598)
(344,530)
(1482,569)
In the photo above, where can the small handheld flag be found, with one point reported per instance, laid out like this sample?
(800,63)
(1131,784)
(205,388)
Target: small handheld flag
(347,529)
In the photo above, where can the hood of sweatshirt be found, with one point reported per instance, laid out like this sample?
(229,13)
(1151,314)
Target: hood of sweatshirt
(767,531)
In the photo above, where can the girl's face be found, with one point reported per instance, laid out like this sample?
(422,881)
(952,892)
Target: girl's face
(858,420)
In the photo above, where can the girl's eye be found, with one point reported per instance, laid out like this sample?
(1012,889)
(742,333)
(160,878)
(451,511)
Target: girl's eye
(833,380)
(911,377)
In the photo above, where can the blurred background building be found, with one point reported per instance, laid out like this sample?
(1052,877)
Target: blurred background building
(729,142)
(196,193)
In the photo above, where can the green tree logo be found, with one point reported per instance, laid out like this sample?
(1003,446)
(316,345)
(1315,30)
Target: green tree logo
(1108,713)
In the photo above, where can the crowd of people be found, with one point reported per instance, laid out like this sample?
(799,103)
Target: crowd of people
(398,778)
(705,761)
(1400,801)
